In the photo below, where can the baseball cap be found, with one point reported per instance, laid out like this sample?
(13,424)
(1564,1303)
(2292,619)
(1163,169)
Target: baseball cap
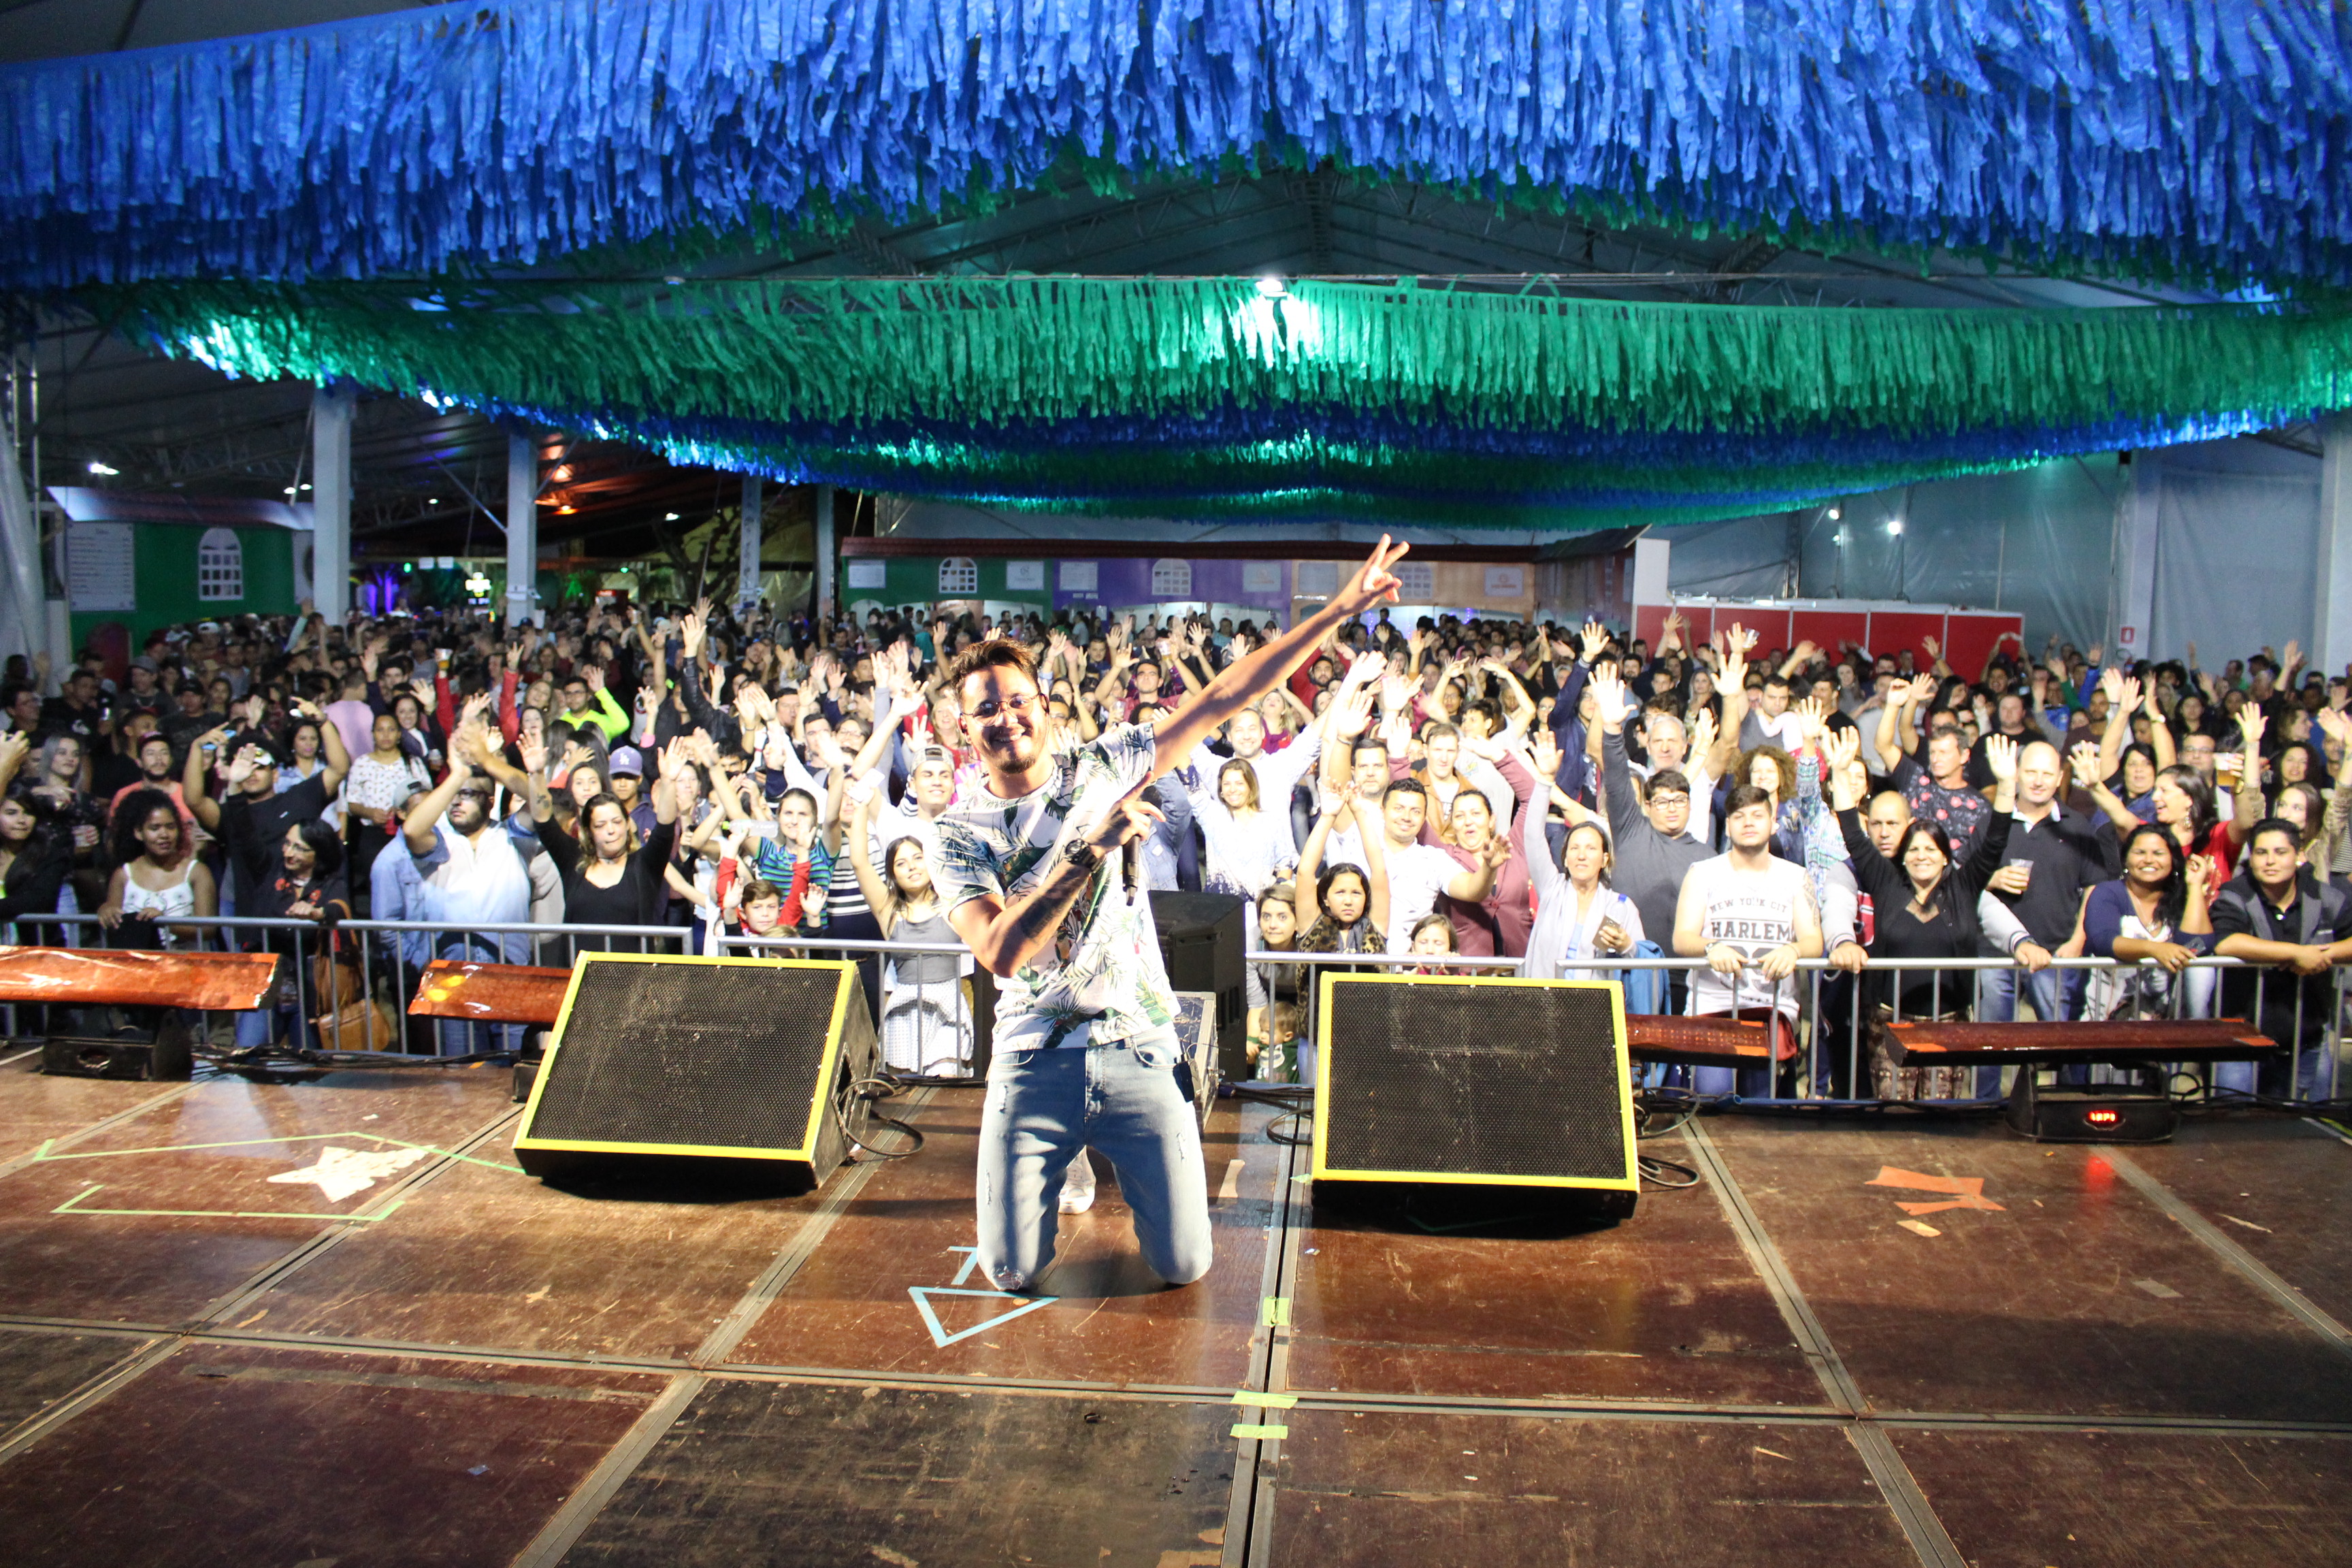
(626,763)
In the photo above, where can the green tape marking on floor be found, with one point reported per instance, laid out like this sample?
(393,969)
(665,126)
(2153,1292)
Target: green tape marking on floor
(1268,1401)
(1277,1314)
(1249,1429)
(74,1205)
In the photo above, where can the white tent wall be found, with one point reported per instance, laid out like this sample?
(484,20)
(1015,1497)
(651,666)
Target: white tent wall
(2236,537)
(2237,541)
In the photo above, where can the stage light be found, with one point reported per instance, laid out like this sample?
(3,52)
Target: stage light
(566,510)
(1835,513)
(1896,528)
(669,517)
(306,487)
(1272,286)
(103,471)
(289,490)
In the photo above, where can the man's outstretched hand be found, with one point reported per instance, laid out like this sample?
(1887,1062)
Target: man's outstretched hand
(1376,583)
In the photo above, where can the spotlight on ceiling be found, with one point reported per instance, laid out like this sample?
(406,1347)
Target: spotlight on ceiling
(669,517)
(1835,513)
(103,471)
(1896,527)
(1272,286)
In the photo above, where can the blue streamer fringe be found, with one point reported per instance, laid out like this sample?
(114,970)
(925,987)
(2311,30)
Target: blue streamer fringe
(2205,140)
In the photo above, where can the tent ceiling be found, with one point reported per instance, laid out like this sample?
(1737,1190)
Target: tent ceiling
(169,424)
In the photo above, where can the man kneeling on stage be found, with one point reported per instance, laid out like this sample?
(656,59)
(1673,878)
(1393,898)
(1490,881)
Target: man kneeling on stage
(1084,1048)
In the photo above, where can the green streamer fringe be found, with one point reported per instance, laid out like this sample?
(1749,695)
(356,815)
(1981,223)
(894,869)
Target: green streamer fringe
(992,360)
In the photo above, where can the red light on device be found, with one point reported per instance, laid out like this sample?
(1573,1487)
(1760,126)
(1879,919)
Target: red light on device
(2103,1118)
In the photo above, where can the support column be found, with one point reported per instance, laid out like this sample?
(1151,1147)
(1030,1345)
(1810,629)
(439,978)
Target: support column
(522,526)
(2135,561)
(747,570)
(330,494)
(2331,620)
(824,551)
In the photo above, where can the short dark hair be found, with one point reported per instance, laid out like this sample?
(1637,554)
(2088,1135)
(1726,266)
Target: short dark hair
(1404,786)
(996,653)
(326,847)
(1669,779)
(2275,825)
(1741,797)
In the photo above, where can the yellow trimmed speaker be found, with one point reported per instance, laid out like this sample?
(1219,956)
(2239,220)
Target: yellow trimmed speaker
(731,1068)
(1425,1078)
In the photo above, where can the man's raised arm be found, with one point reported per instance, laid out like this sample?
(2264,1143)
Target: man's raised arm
(1247,679)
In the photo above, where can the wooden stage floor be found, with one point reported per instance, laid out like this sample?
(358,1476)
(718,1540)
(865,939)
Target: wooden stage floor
(411,1353)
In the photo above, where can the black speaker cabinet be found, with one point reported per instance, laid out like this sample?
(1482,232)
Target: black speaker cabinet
(732,1068)
(1200,941)
(165,1052)
(1423,1077)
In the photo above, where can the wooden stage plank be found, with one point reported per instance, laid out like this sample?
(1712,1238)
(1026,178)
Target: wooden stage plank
(223,1141)
(1112,1320)
(2291,1179)
(825,1476)
(1382,1488)
(238,1455)
(494,1258)
(36,1108)
(2079,1297)
(2126,1499)
(1663,1306)
(37,1370)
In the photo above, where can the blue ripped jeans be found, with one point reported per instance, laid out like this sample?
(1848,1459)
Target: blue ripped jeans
(1120,1097)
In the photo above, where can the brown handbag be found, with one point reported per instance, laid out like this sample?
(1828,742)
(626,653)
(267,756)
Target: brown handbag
(347,1019)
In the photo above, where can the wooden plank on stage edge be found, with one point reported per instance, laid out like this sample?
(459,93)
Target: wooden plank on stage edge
(2280,1188)
(151,1219)
(38,1369)
(1384,1486)
(2136,1497)
(894,1288)
(2077,1296)
(492,1258)
(230,1454)
(762,1472)
(1664,1306)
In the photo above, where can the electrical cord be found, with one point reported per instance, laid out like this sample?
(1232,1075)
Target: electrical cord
(1653,1171)
(861,1093)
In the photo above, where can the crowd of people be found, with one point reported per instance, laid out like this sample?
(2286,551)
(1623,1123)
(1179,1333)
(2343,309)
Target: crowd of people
(1574,797)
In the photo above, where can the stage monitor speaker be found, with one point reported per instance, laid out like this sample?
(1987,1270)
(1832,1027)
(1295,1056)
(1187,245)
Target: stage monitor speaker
(1202,938)
(1425,1078)
(166,1052)
(732,1068)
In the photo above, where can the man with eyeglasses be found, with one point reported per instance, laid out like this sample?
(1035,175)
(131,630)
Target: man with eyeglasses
(1653,847)
(1031,870)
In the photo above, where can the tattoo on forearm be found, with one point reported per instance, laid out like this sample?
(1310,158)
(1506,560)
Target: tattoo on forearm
(1048,905)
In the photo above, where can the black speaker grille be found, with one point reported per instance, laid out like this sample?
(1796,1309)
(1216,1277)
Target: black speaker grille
(1456,1078)
(722,1054)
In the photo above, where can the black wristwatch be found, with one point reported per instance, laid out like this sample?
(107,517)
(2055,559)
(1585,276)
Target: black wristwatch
(1082,855)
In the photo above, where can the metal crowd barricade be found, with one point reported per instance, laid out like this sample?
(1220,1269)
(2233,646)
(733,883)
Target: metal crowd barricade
(391,956)
(2313,1083)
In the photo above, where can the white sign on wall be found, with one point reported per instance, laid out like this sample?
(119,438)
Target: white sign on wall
(1261,576)
(101,567)
(1079,577)
(1505,582)
(867,573)
(1027,575)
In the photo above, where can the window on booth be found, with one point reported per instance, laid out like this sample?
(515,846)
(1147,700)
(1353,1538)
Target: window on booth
(1171,579)
(960,576)
(220,565)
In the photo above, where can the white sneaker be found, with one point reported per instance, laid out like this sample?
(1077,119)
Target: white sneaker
(1078,1185)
